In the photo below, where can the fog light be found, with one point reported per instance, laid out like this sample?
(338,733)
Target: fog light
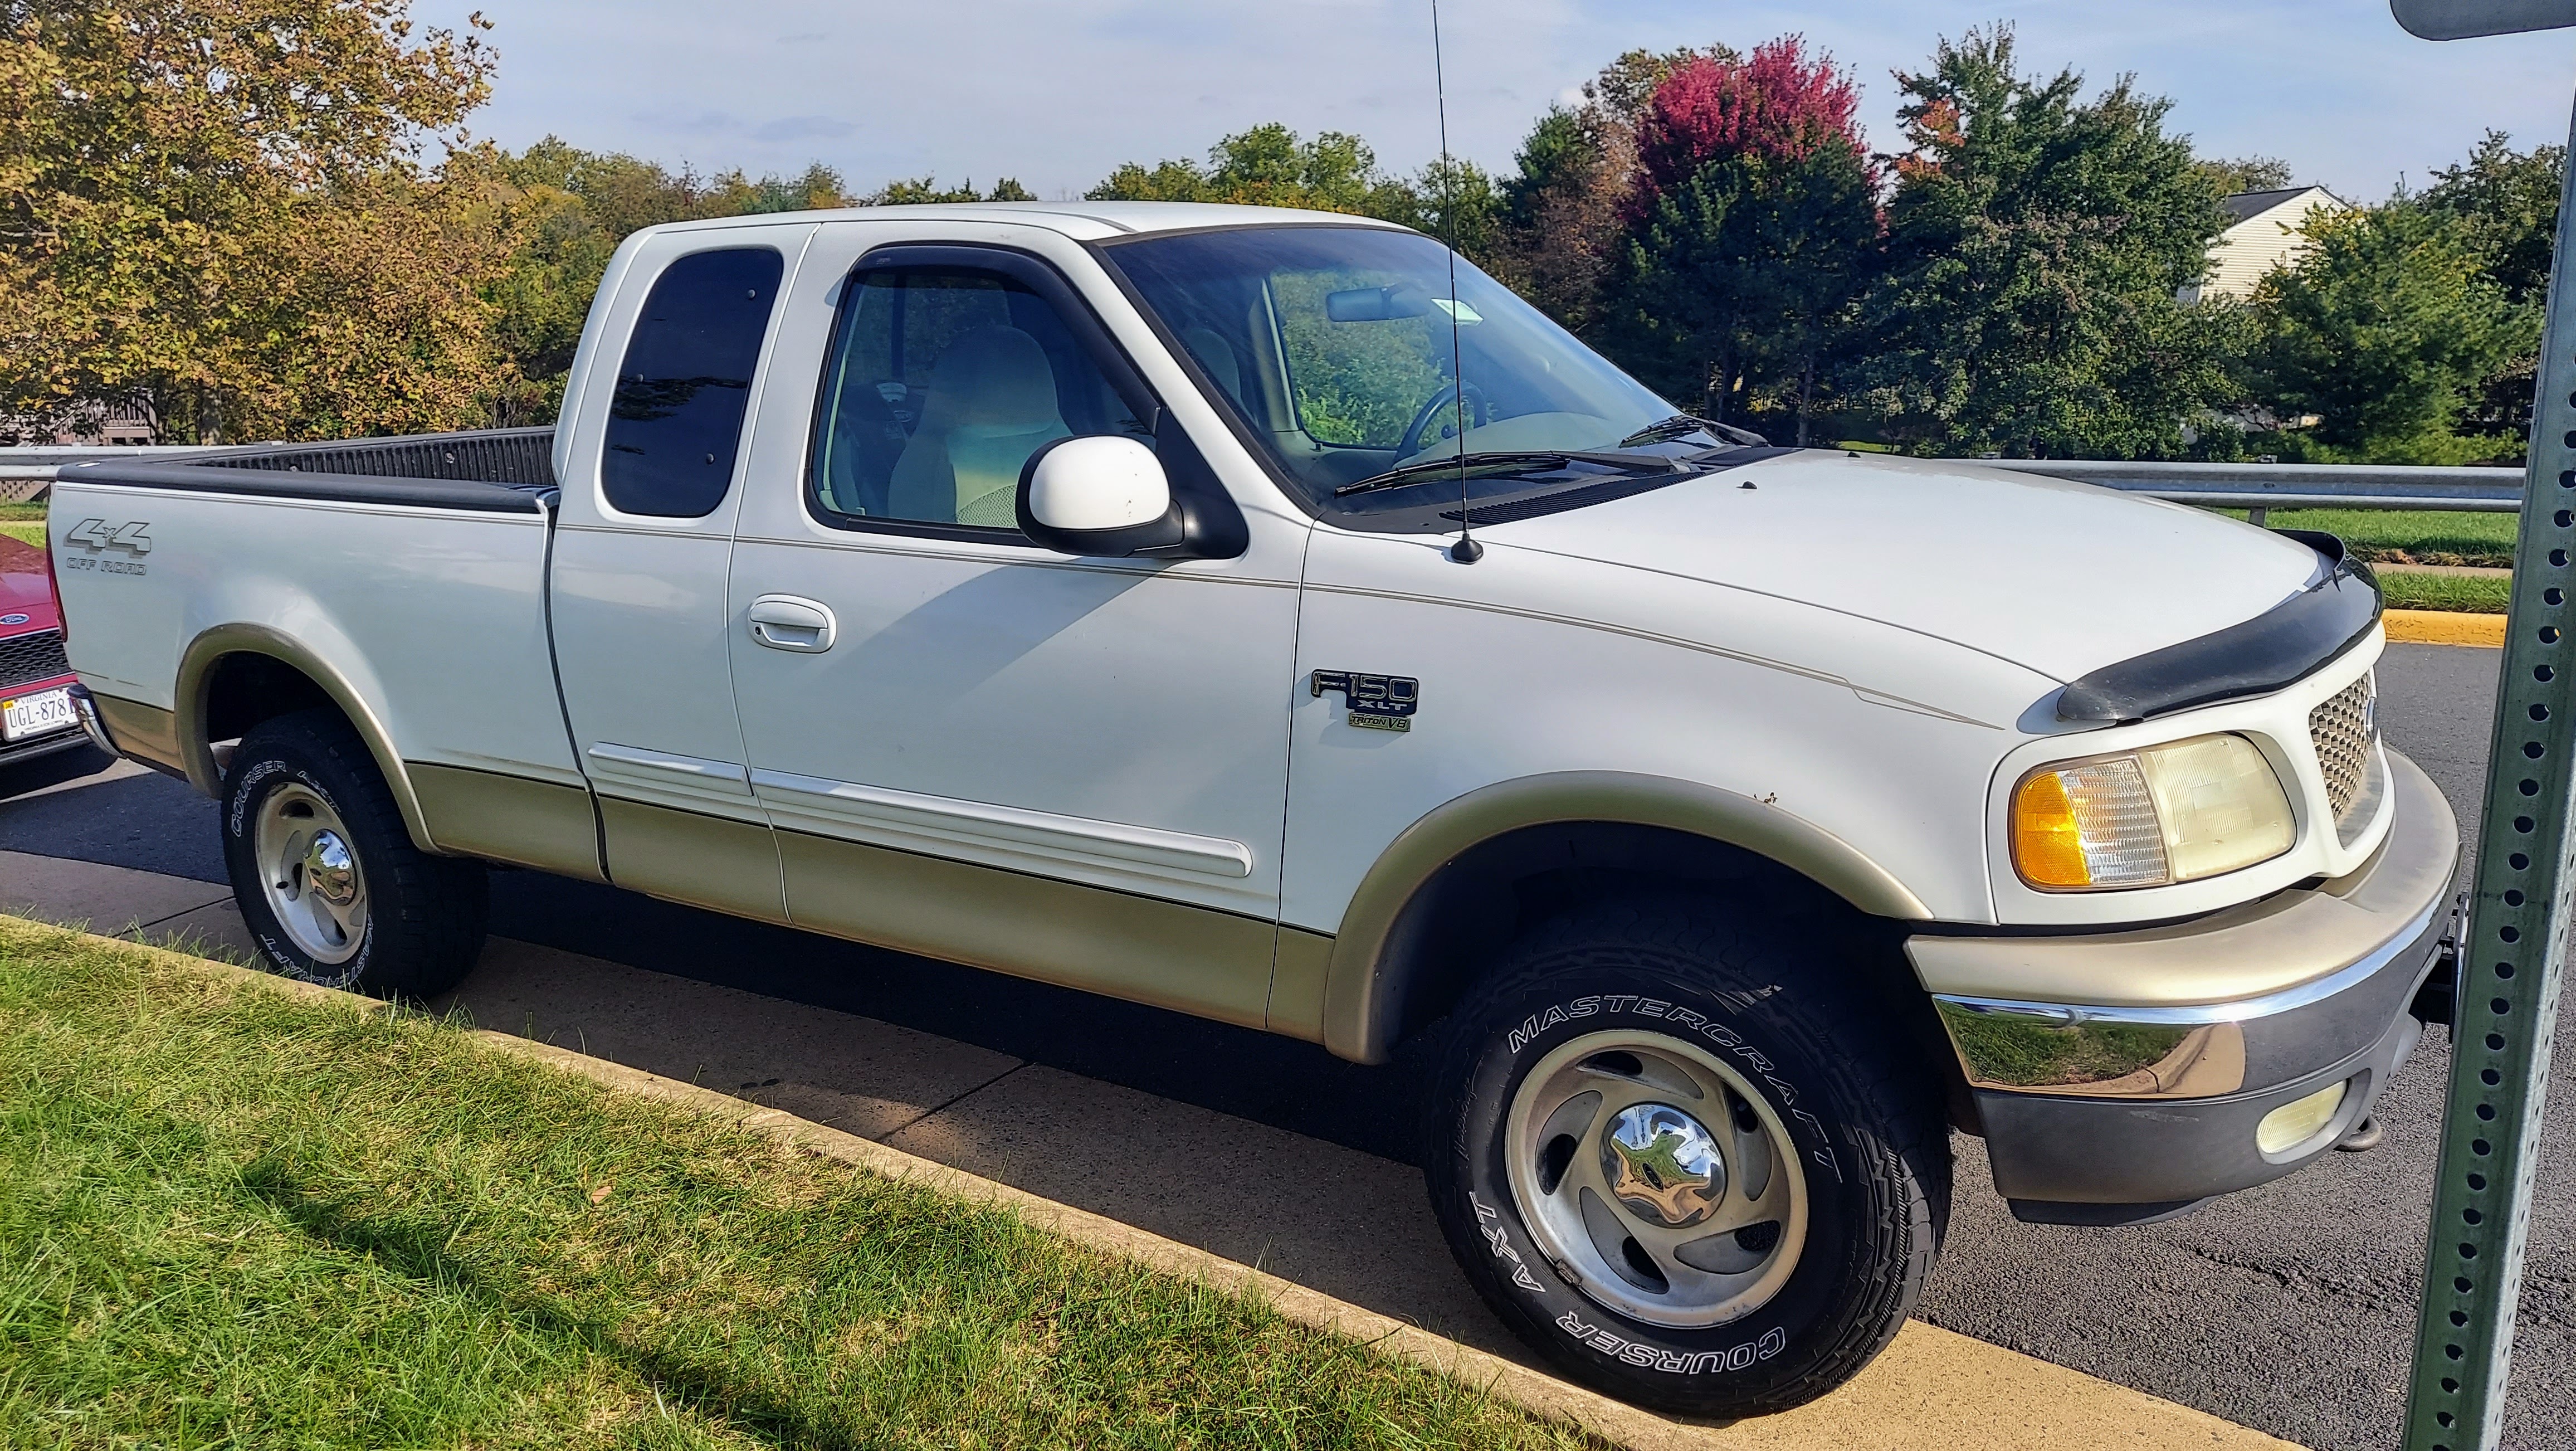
(2293,1124)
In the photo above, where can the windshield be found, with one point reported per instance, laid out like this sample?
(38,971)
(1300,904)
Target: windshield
(1333,344)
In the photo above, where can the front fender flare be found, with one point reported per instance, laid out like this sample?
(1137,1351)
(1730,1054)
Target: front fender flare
(196,677)
(1364,984)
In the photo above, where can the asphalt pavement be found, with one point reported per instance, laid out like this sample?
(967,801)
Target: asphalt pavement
(2289,1308)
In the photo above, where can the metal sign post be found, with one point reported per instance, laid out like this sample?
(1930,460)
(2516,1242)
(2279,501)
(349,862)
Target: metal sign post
(2515,950)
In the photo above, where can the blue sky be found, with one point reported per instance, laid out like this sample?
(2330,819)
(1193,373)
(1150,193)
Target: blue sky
(1056,92)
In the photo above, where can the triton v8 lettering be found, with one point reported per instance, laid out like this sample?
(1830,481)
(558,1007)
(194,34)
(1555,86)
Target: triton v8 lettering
(1057,589)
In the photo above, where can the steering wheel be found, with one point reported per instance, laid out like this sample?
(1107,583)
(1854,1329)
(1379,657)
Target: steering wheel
(1472,399)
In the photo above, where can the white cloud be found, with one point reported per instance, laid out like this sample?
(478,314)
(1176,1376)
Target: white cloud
(1057,93)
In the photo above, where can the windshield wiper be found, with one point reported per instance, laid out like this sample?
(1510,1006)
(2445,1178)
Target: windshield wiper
(1682,423)
(1448,468)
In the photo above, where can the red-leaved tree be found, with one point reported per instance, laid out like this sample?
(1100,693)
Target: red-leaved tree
(1750,229)
(1778,104)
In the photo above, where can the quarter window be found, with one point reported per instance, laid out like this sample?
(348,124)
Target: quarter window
(941,384)
(676,422)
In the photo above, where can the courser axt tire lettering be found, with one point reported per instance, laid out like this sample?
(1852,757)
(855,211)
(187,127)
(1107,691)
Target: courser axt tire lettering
(326,876)
(1670,1158)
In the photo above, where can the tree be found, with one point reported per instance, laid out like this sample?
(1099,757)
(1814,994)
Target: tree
(2507,204)
(186,187)
(919,190)
(1268,166)
(2035,244)
(2247,173)
(1751,226)
(2384,328)
(1558,222)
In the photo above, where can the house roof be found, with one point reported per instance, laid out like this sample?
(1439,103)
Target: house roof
(2245,206)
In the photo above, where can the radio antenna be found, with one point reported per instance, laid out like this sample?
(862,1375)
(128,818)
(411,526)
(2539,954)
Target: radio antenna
(1466,550)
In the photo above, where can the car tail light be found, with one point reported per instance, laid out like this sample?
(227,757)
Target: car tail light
(53,586)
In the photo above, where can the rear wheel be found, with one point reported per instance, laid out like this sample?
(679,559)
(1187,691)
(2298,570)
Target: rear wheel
(327,878)
(1677,1156)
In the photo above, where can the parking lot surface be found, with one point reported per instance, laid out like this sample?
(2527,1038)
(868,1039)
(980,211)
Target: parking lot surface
(2289,1308)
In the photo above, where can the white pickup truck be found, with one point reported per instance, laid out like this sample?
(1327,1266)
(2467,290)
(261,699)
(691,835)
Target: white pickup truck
(1078,591)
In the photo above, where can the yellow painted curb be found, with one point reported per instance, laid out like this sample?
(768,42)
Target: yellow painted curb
(1930,1390)
(2442,627)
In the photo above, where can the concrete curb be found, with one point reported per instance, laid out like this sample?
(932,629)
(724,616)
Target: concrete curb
(1933,1388)
(2442,627)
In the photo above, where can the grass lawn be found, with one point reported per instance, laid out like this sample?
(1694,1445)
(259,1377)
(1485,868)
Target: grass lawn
(24,521)
(2469,594)
(232,1218)
(2408,536)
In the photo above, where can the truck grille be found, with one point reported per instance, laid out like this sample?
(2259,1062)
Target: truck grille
(2344,728)
(36,655)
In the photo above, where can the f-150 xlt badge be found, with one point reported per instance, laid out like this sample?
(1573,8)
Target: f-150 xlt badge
(1377,702)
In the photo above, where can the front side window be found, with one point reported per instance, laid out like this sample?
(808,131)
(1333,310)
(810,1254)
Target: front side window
(941,383)
(1334,345)
(676,421)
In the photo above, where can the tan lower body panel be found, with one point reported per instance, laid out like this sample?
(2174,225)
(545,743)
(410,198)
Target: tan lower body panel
(145,731)
(509,819)
(1191,959)
(704,861)
(1305,964)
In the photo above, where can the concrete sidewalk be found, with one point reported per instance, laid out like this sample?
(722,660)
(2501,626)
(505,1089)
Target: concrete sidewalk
(1349,1225)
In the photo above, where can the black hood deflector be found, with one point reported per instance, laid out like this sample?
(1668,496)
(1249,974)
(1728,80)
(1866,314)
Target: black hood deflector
(2272,650)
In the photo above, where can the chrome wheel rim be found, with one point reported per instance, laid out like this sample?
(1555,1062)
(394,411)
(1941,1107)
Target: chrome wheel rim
(1657,1179)
(309,872)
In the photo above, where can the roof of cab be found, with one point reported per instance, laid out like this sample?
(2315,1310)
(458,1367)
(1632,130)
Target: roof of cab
(1082,220)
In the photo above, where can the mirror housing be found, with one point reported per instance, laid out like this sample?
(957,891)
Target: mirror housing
(1103,496)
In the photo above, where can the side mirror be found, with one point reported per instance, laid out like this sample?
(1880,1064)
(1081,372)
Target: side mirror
(1102,496)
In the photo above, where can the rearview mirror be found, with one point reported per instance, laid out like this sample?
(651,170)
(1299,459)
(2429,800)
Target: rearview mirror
(1102,496)
(1377,304)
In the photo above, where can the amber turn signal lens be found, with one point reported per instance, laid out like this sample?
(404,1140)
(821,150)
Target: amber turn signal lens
(2048,845)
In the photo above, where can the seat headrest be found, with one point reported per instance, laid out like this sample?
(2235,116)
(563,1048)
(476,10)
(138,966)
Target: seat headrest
(1216,356)
(993,377)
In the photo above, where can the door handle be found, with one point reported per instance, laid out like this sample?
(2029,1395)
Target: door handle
(784,622)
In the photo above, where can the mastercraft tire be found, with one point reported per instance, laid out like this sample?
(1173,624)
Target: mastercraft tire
(1679,1157)
(328,880)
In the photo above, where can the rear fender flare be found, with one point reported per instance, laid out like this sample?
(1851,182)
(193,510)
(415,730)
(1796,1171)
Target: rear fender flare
(196,679)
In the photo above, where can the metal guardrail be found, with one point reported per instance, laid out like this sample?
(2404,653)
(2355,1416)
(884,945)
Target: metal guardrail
(25,472)
(2294,486)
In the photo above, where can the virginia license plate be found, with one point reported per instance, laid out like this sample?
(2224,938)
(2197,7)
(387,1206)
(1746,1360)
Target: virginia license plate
(33,715)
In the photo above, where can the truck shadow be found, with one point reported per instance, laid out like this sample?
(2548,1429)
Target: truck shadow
(1259,1148)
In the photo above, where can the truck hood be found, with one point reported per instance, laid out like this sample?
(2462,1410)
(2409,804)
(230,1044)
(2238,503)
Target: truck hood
(25,589)
(2056,576)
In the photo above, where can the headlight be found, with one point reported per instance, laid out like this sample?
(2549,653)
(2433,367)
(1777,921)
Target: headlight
(2170,813)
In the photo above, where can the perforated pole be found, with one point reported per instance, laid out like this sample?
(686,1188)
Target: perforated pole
(2514,953)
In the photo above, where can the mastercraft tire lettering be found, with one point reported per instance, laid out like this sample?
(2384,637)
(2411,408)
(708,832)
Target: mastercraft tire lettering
(1666,1161)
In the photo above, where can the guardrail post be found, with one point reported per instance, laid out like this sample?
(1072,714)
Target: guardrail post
(2514,954)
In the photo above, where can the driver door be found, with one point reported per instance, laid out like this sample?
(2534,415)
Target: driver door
(972,746)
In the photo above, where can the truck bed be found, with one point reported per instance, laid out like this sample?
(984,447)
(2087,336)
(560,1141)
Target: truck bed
(496,470)
(406,577)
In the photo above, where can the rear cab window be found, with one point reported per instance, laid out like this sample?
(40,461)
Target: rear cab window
(675,424)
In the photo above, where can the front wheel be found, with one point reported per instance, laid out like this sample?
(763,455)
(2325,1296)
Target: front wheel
(327,878)
(1678,1157)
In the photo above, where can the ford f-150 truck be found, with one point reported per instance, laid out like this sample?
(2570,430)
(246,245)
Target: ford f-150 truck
(1222,609)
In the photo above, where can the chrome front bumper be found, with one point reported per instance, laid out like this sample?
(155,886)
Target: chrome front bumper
(2122,1075)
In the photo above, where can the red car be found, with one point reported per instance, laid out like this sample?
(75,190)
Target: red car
(36,713)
